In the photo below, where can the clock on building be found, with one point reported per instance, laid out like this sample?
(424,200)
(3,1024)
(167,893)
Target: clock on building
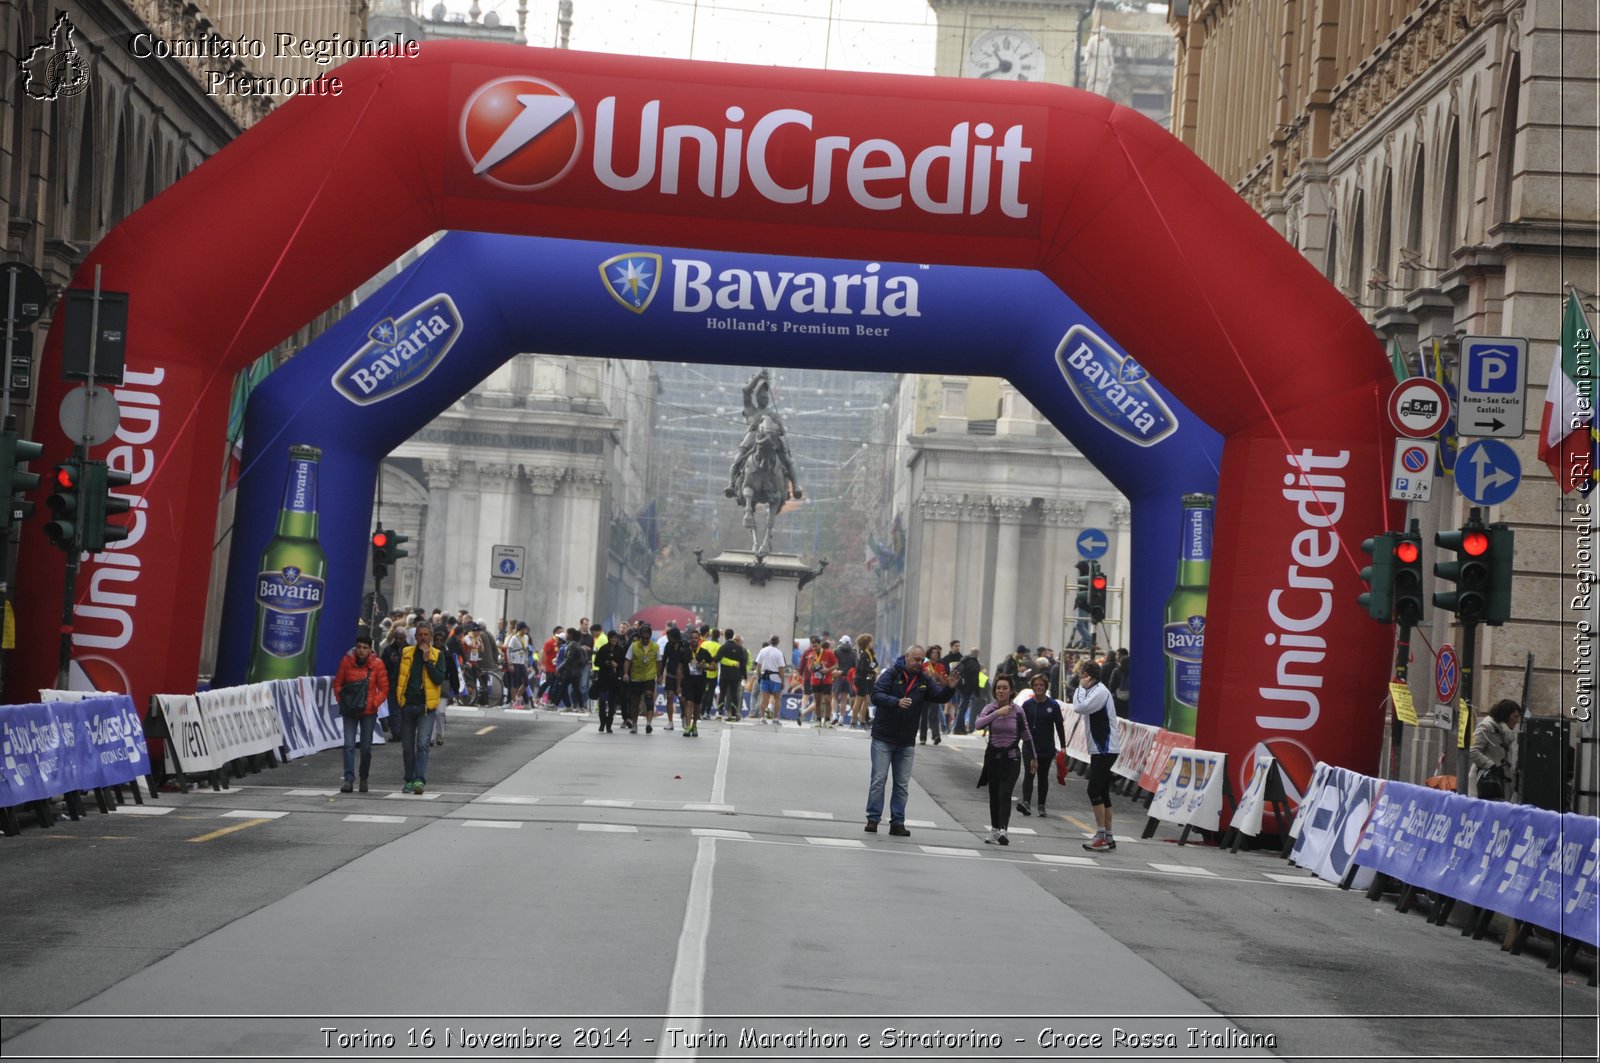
(1005,55)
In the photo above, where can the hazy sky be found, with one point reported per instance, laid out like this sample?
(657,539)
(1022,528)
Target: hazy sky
(882,36)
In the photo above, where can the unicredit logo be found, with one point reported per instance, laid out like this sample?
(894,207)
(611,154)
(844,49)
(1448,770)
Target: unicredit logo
(524,134)
(521,133)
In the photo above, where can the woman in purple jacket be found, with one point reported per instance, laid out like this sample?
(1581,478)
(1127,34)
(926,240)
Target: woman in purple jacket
(1010,743)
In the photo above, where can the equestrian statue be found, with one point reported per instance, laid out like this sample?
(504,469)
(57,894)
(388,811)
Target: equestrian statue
(762,472)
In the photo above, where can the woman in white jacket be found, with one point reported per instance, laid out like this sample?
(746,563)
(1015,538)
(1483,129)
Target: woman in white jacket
(1494,746)
(1093,702)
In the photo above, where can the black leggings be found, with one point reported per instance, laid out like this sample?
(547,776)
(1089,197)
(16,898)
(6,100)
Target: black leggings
(1002,781)
(1047,763)
(1100,778)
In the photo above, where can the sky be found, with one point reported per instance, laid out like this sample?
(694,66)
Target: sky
(880,36)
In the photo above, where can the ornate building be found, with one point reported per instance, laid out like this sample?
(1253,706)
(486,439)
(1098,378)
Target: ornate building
(1435,159)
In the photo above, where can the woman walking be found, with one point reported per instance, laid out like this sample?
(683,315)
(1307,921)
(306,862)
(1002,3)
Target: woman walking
(1093,702)
(1010,746)
(1494,752)
(1046,725)
(866,675)
(934,714)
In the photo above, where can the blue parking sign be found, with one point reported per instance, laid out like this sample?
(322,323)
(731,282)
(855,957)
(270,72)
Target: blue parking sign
(1494,384)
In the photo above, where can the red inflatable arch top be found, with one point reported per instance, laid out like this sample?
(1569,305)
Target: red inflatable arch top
(326,191)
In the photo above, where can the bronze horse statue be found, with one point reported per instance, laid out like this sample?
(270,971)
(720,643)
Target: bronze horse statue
(763,478)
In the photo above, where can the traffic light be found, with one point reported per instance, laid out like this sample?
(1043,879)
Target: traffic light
(1502,541)
(1097,593)
(1469,575)
(395,553)
(1408,577)
(66,505)
(99,503)
(1378,598)
(14,454)
(380,554)
(1080,604)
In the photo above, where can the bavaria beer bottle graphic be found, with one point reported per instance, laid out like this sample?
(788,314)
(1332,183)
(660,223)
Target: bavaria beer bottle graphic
(1183,631)
(290,581)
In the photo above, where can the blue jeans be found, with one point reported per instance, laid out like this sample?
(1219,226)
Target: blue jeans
(965,714)
(884,758)
(352,726)
(416,738)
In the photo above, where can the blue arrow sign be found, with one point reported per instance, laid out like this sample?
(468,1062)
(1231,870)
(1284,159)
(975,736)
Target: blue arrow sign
(1488,472)
(1092,543)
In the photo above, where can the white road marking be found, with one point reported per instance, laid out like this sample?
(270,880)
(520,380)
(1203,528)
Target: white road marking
(1072,861)
(603,803)
(707,808)
(686,1000)
(508,824)
(143,810)
(1300,880)
(927,824)
(719,784)
(1184,869)
(311,793)
(506,799)
(410,797)
(807,815)
(941,850)
(1122,839)
(374,819)
(609,828)
(840,843)
(245,813)
(712,832)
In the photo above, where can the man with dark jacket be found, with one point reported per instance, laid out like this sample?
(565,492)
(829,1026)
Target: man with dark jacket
(965,677)
(899,698)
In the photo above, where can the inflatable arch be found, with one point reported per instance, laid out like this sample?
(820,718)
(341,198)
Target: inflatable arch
(484,297)
(1153,247)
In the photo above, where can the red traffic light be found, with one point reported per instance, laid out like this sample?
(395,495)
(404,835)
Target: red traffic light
(380,539)
(1475,544)
(1407,552)
(67,476)
(1098,583)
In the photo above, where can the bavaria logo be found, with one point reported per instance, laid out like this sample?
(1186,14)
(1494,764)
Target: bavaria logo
(1114,389)
(1185,640)
(521,133)
(400,352)
(632,278)
(289,591)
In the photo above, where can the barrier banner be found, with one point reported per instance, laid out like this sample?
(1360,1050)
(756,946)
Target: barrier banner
(305,724)
(1138,745)
(1190,789)
(239,722)
(1078,739)
(1534,865)
(110,746)
(59,746)
(1253,802)
(1160,752)
(66,695)
(1330,823)
(189,748)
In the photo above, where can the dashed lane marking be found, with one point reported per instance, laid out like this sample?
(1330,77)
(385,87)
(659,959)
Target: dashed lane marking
(1300,880)
(504,824)
(839,843)
(246,813)
(506,799)
(926,824)
(141,810)
(397,796)
(485,730)
(941,850)
(600,802)
(230,830)
(1071,861)
(794,814)
(707,808)
(311,793)
(609,828)
(374,819)
(712,832)
(1184,869)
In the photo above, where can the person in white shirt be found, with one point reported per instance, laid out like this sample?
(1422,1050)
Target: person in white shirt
(517,650)
(769,672)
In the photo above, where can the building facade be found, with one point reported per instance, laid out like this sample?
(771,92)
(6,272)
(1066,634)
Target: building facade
(1435,159)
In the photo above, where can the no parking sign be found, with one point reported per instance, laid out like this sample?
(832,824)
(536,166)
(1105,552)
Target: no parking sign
(1411,479)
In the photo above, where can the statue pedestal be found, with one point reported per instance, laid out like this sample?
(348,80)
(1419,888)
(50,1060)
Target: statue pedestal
(756,595)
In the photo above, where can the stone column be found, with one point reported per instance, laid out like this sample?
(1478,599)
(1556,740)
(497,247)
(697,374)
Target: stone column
(580,594)
(543,561)
(440,476)
(1007,575)
(497,504)
(1016,417)
(953,407)
(939,534)
(972,579)
(1122,567)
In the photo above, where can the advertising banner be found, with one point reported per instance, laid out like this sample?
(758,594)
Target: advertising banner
(1328,826)
(240,721)
(1138,744)
(1253,802)
(189,749)
(1530,864)
(110,748)
(1078,738)
(55,747)
(1160,752)
(1190,790)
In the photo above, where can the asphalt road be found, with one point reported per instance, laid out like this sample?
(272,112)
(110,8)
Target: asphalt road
(564,892)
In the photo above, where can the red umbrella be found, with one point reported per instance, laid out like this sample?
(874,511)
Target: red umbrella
(659,616)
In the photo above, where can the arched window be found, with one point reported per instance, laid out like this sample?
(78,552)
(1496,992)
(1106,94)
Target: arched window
(84,190)
(1449,210)
(1509,120)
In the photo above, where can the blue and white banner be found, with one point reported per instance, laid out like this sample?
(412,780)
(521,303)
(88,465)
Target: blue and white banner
(1328,827)
(240,721)
(55,747)
(1530,864)
(1190,790)
(307,714)
(1253,802)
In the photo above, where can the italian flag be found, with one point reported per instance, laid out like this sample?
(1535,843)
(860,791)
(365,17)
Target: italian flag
(1565,440)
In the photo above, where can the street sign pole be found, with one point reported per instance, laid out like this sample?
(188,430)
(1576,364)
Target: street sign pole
(1463,705)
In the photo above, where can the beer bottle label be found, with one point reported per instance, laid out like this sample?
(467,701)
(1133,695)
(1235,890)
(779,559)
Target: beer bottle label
(289,599)
(1183,643)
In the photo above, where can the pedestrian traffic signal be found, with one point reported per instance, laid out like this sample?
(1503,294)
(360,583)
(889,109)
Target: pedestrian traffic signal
(1097,593)
(1469,574)
(66,505)
(99,502)
(1408,577)
(1502,541)
(14,454)
(1378,598)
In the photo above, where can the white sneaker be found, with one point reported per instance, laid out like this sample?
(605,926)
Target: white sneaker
(991,837)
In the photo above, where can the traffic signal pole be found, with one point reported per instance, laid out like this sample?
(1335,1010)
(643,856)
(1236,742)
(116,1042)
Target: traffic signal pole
(74,551)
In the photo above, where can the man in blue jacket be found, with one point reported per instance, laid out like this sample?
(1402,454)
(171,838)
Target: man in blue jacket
(899,698)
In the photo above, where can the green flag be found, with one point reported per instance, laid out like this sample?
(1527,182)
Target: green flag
(1398,360)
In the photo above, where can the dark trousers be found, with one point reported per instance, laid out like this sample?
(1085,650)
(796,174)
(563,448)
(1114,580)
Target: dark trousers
(1002,783)
(731,689)
(1047,763)
(932,720)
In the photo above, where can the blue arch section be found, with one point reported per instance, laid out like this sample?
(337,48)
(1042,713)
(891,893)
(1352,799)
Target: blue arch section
(476,299)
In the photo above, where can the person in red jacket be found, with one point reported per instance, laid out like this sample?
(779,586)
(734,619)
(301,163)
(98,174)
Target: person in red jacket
(547,658)
(357,666)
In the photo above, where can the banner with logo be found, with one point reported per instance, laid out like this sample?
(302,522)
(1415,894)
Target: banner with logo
(1078,738)
(59,746)
(1190,789)
(241,721)
(189,749)
(1527,863)
(307,715)
(1138,746)
(1253,802)
(1160,752)
(1330,822)
(66,695)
